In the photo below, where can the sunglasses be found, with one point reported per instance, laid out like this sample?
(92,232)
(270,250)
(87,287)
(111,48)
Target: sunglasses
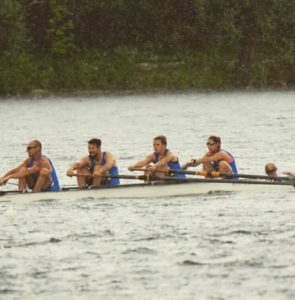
(210,144)
(30,147)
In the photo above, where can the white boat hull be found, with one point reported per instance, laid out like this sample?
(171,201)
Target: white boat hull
(152,190)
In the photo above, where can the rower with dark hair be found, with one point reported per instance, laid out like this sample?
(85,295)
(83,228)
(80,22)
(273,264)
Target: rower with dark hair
(216,159)
(36,172)
(161,161)
(96,164)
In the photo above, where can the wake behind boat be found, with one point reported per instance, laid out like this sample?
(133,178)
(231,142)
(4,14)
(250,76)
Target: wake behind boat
(154,189)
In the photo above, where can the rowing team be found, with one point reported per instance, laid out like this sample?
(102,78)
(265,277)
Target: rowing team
(38,174)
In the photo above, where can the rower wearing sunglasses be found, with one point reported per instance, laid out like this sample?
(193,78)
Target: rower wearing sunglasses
(36,172)
(216,159)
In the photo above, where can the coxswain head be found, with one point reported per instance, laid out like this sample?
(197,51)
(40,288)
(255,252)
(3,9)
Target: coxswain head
(271,170)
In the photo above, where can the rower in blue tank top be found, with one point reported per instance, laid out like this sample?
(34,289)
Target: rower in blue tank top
(216,159)
(161,161)
(54,187)
(36,172)
(112,171)
(97,164)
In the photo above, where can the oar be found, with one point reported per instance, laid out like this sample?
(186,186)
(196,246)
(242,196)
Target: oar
(140,177)
(226,175)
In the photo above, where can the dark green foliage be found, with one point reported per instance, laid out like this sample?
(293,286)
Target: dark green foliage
(137,44)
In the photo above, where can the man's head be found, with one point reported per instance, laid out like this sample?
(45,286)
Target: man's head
(34,147)
(94,146)
(271,169)
(214,143)
(160,143)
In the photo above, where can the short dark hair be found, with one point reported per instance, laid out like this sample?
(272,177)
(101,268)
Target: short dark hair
(161,138)
(95,142)
(215,139)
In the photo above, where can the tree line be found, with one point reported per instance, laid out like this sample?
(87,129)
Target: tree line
(145,44)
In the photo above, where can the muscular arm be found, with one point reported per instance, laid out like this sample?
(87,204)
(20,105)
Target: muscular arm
(14,173)
(78,165)
(169,157)
(110,162)
(206,158)
(214,157)
(142,163)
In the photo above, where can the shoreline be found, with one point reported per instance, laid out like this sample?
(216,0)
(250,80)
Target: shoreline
(39,93)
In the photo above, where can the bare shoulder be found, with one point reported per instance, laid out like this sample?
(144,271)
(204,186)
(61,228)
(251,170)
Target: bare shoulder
(26,161)
(45,161)
(224,153)
(109,155)
(171,155)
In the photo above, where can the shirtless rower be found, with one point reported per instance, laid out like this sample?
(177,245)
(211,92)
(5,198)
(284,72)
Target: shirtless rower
(216,159)
(96,164)
(161,161)
(36,172)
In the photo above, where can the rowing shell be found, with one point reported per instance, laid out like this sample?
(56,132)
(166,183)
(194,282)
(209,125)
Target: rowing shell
(153,190)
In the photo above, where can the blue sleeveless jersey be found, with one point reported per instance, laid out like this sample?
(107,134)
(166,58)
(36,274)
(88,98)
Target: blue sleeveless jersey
(232,163)
(112,171)
(55,187)
(172,165)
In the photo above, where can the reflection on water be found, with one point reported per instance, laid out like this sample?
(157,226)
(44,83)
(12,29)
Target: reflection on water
(215,246)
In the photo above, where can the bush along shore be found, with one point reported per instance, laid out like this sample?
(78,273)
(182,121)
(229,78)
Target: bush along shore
(48,47)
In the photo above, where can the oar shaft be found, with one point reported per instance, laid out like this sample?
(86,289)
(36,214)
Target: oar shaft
(225,175)
(140,177)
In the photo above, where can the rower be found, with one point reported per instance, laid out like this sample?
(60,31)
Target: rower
(92,170)
(36,172)
(161,161)
(216,159)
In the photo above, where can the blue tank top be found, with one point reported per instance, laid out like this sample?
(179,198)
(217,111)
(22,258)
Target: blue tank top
(232,163)
(55,187)
(172,165)
(112,171)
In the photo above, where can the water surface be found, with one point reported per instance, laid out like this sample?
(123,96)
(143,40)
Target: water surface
(211,246)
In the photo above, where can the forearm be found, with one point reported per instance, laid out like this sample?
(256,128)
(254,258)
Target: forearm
(140,164)
(107,166)
(13,171)
(20,174)
(75,166)
(161,163)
